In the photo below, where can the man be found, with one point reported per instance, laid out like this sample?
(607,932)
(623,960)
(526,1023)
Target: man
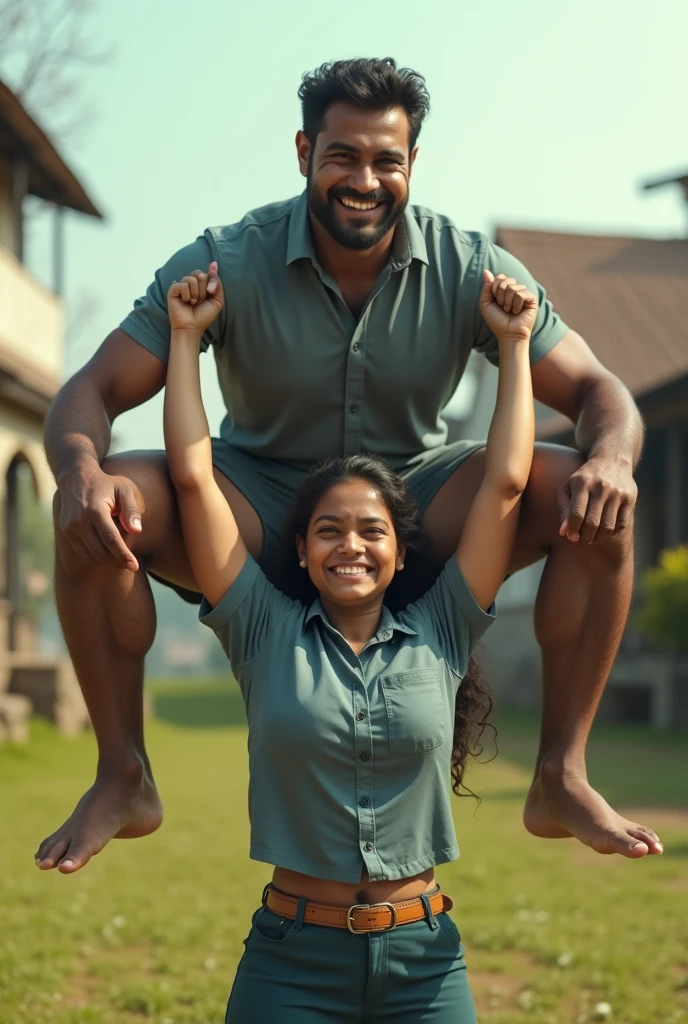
(348,322)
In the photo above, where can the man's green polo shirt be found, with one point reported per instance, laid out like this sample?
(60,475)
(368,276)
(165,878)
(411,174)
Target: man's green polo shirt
(302,378)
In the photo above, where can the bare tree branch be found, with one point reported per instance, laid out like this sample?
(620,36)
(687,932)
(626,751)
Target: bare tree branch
(45,50)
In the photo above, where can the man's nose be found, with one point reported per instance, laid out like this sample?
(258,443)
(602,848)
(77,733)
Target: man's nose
(364,179)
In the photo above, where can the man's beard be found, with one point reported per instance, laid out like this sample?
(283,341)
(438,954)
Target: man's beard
(352,235)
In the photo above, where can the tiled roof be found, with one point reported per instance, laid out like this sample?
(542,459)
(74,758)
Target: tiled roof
(628,297)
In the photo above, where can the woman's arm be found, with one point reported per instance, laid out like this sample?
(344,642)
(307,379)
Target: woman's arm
(485,547)
(214,546)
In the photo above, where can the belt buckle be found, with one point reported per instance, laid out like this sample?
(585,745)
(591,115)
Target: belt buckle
(369,906)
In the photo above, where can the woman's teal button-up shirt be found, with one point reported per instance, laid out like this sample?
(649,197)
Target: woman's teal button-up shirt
(349,755)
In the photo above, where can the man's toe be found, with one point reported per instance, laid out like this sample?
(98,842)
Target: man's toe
(50,853)
(647,836)
(77,855)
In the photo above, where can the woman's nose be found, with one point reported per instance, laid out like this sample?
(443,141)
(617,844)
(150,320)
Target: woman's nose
(352,543)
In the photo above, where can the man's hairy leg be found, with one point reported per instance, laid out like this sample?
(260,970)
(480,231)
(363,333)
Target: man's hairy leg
(580,614)
(108,619)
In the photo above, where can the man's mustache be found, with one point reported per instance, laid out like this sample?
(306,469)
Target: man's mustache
(370,197)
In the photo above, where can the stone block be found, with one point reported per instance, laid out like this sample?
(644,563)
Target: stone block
(15,715)
(51,685)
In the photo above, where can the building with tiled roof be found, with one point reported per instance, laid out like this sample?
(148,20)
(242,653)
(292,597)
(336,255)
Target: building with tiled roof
(628,297)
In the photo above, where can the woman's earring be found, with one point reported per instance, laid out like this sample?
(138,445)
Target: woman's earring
(303,563)
(400,566)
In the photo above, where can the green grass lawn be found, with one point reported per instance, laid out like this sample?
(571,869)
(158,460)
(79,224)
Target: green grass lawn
(151,931)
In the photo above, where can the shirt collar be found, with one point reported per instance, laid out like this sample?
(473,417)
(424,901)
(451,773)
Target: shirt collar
(408,243)
(389,624)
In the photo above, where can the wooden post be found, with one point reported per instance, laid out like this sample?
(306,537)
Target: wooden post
(20,187)
(58,250)
(12,580)
(674,527)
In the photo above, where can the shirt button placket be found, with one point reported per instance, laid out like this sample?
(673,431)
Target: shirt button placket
(364,778)
(353,393)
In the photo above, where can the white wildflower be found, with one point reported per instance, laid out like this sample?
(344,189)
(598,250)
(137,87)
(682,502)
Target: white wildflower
(602,1011)
(565,959)
(526,1000)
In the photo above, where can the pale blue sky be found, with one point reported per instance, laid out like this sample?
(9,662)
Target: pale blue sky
(545,114)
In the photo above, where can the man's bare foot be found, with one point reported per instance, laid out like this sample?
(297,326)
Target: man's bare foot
(563,804)
(112,808)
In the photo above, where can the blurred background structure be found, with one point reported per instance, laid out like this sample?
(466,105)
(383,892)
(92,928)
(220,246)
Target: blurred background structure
(627,296)
(31,366)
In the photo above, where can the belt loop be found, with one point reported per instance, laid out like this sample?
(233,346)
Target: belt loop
(429,916)
(300,911)
(266,890)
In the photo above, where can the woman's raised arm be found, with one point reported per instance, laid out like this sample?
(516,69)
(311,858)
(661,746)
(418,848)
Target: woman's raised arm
(214,546)
(485,547)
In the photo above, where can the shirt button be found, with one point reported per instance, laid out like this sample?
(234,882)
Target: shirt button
(353,409)
(365,756)
(355,346)
(360,716)
(368,847)
(364,801)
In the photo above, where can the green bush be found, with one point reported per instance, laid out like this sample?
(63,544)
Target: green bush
(663,618)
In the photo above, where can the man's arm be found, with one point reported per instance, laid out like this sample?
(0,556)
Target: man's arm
(120,376)
(598,500)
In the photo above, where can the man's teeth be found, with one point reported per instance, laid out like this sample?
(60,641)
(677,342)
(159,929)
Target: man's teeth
(356,204)
(350,570)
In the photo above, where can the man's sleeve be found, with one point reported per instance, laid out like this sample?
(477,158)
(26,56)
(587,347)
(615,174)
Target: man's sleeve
(549,327)
(148,322)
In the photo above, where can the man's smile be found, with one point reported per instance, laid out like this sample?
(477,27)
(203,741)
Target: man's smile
(359,204)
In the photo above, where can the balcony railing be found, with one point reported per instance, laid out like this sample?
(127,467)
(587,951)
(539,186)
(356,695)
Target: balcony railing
(30,317)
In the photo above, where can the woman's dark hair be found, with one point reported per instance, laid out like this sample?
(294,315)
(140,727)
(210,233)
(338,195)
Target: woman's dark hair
(474,701)
(370,82)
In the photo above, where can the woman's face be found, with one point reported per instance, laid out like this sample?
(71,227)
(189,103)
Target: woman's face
(350,549)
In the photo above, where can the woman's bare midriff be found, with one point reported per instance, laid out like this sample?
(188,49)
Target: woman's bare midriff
(345,894)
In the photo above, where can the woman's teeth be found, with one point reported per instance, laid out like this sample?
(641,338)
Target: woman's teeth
(350,570)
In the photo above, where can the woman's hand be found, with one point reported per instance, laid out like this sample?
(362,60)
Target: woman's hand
(508,308)
(194,303)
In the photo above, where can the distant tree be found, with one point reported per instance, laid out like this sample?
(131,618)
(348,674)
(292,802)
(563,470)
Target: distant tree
(46,50)
(663,617)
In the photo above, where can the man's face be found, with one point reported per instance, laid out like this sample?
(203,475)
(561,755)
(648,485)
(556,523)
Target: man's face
(358,173)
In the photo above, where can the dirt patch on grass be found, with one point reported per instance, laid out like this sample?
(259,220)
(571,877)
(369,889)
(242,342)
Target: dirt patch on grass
(497,991)
(658,817)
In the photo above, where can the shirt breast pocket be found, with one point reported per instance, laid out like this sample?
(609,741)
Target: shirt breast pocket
(415,710)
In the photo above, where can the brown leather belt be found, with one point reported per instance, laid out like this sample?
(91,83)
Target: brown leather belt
(361,917)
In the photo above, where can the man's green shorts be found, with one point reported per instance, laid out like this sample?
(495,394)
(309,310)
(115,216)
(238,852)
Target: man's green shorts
(271,487)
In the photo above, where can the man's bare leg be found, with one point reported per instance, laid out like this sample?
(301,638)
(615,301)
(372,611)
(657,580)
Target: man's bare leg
(108,619)
(580,614)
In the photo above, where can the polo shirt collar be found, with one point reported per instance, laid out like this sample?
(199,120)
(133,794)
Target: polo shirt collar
(408,243)
(389,624)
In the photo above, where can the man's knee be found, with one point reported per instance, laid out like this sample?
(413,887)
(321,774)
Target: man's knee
(148,478)
(552,466)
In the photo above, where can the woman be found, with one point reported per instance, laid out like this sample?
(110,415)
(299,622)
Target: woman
(350,707)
